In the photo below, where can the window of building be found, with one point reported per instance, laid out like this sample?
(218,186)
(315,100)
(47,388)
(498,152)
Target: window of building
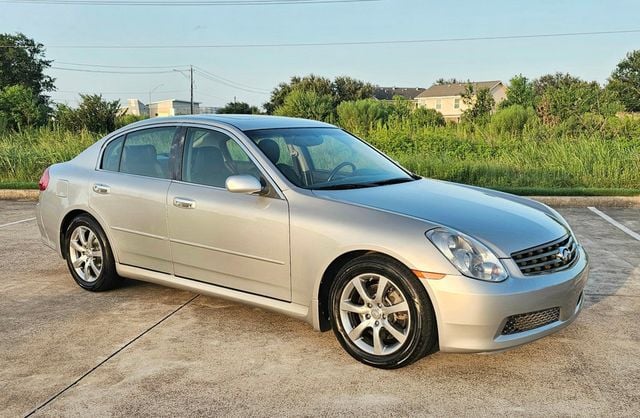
(456,103)
(438,104)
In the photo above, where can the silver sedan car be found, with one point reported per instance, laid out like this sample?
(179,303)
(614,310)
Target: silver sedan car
(302,218)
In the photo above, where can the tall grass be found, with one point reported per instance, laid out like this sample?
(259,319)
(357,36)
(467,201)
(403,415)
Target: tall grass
(479,156)
(24,155)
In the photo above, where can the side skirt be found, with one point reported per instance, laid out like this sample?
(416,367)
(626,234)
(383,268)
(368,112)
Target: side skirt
(290,309)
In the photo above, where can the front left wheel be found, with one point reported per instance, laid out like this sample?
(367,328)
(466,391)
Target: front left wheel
(89,256)
(381,314)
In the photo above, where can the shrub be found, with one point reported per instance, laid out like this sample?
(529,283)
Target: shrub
(307,104)
(513,119)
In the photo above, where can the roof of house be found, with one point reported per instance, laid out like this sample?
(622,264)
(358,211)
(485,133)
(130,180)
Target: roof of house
(445,90)
(387,93)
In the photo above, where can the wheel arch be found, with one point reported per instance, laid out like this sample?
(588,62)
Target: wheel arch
(69,217)
(329,275)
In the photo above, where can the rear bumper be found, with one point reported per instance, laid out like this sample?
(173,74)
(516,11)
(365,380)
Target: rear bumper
(472,314)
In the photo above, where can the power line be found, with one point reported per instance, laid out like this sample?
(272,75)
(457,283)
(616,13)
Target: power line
(115,92)
(232,85)
(78,64)
(84,70)
(340,43)
(228,82)
(185,3)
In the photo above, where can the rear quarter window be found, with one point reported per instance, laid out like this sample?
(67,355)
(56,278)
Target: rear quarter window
(112,154)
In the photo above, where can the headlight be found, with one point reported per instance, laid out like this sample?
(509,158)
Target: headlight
(469,256)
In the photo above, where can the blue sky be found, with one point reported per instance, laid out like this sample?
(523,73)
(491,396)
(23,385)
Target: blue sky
(407,65)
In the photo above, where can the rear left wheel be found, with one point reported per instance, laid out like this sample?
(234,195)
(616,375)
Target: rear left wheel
(89,256)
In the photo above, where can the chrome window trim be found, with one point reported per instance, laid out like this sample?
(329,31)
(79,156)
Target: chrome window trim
(229,130)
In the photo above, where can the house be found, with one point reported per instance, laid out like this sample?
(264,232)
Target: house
(447,98)
(388,93)
(173,107)
(135,107)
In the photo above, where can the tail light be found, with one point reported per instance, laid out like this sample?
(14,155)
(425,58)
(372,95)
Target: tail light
(44,180)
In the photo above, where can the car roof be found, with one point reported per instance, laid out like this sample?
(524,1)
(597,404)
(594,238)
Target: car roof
(242,122)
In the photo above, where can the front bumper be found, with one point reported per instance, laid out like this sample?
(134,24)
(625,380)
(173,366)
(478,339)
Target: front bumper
(472,314)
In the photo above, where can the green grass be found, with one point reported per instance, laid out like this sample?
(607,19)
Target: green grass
(532,163)
(577,191)
(16,185)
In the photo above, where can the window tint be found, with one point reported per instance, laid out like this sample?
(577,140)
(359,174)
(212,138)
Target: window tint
(210,157)
(146,152)
(111,155)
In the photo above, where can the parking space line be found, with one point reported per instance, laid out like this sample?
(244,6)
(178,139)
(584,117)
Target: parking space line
(54,397)
(18,222)
(615,223)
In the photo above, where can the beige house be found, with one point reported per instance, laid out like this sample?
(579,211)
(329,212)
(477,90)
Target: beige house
(447,98)
(173,107)
(135,107)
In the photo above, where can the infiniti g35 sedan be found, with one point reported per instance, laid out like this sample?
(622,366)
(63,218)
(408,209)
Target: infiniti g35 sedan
(305,219)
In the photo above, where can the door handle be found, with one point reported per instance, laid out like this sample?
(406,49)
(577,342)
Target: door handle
(101,188)
(183,203)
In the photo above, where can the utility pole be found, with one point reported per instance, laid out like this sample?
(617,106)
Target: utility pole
(191,66)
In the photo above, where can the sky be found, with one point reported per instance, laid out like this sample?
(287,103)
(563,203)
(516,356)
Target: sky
(248,74)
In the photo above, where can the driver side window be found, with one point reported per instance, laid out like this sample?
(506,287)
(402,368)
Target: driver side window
(211,156)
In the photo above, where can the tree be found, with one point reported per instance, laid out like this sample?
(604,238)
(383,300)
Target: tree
(341,89)
(316,84)
(20,108)
(239,108)
(307,104)
(442,81)
(360,116)
(479,103)
(349,89)
(554,81)
(93,114)
(520,92)
(22,62)
(560,97)
(625,81)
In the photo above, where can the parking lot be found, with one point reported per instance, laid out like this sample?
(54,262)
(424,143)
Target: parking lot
(149,350)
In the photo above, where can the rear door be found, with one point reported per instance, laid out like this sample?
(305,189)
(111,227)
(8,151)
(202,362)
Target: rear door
(239,241)
(131,196)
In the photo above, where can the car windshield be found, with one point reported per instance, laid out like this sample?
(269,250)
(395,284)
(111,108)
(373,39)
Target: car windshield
(326,158)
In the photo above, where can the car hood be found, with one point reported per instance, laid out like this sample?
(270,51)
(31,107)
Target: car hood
(503,224)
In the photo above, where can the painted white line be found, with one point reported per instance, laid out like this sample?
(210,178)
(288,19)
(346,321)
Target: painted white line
(615,223)
(18,222)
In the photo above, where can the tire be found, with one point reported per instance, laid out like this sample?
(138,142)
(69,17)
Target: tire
(89,256)
(387,330)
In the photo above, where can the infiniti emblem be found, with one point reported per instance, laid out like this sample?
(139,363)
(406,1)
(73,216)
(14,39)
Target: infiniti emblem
(563,254)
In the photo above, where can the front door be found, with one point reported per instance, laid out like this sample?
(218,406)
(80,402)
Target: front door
(239,241)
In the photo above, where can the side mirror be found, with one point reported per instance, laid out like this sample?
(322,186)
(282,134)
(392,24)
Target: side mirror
(243,183)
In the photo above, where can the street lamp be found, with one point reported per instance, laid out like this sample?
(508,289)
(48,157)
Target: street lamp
(154,89)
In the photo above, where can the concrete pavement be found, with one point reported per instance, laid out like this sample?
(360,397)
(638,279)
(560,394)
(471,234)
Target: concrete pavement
(148,350)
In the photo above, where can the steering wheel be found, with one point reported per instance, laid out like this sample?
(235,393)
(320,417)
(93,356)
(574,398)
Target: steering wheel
(340,167)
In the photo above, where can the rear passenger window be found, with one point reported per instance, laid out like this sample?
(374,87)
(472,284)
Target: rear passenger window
(146,152)
(111,156)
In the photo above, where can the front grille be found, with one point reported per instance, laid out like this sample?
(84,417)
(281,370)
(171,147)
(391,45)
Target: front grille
(547,258)
(531,320)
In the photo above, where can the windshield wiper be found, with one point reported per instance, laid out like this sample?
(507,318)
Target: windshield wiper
(396,180)
(344,186)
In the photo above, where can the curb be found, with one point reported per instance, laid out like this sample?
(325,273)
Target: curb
(19,194)
(557,201)
(586,201)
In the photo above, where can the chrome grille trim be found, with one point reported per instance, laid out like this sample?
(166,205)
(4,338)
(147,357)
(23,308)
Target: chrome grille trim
(546,258)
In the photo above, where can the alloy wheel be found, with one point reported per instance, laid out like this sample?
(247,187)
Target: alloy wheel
(375,314)
(85,254)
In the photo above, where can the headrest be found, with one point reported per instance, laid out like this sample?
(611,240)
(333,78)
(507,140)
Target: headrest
(271,149)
